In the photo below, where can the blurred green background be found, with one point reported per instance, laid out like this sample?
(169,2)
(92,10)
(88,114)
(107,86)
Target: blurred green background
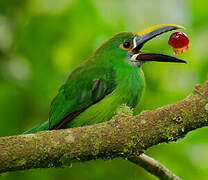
(41,41)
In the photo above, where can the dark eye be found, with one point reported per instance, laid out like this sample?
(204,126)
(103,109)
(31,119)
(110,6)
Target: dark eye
(126,44)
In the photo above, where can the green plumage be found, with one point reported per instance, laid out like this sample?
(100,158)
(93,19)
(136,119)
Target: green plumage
(97,88)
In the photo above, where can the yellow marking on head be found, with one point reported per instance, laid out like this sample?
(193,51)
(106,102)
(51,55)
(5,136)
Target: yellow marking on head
(150,29)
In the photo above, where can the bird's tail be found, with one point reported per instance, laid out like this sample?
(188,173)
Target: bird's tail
(41,127)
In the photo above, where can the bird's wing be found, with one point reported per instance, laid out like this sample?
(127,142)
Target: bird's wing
(85,86)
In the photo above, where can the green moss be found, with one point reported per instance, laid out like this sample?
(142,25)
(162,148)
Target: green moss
(131,147)
(206,107)
(96,147)
(65,160)
(124,110)
(19,162)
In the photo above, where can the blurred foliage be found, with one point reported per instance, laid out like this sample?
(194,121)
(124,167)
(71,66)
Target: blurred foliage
(42,41)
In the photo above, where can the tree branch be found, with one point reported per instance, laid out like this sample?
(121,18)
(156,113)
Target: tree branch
(153,167)
(123,136)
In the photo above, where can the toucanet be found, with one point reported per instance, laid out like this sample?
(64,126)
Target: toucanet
(109,78)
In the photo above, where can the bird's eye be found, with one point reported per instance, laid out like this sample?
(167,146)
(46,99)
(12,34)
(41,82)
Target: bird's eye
(126,45)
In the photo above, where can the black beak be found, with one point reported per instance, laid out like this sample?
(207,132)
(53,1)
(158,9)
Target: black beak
(147,34)
(158,57)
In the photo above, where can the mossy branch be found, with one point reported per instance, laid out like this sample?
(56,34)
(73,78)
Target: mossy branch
(123,136)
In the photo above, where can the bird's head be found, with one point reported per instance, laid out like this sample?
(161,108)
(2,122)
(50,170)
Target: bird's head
(128,45)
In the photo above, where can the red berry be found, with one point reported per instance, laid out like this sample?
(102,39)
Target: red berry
(179,41)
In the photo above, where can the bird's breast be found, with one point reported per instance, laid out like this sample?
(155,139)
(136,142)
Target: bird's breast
(130,85)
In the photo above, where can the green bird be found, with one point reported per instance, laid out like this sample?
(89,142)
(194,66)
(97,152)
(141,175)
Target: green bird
(111,77)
